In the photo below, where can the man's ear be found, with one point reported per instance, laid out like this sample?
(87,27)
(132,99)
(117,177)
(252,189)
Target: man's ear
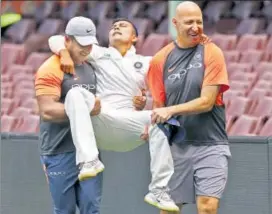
(135,39)
(66,38)
(174,21)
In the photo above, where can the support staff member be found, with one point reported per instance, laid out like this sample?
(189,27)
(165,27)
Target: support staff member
(57,150)
(187,81)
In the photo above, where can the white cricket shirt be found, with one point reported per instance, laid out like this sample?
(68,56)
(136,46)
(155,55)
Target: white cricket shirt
(119,78)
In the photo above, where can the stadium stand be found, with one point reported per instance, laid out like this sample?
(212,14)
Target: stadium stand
(240,28)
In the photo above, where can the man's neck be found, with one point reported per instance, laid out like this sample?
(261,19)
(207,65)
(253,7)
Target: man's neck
(76,62)
(122,49)
(182,44)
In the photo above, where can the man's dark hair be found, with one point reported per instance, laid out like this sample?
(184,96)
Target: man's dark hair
(126,20)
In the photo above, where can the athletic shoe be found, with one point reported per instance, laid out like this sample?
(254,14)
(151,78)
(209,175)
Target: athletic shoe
(90,169)
(162,200)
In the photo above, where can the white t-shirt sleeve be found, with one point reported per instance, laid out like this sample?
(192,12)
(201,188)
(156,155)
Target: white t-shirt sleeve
(56,43)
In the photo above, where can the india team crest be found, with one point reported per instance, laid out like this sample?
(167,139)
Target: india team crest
(138,65)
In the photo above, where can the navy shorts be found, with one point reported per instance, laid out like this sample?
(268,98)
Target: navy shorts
(66,191)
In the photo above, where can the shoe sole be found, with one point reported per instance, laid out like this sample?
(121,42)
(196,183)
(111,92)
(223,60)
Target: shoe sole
(86,176)
(155,204)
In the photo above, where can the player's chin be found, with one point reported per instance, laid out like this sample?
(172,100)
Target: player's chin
(117,41)
(116,36)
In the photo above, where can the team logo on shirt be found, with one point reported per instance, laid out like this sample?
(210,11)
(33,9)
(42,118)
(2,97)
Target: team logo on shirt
(138,65)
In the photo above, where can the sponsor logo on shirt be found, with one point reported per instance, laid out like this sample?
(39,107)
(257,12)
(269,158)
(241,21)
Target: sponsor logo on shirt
(198,56)
(107,55)
(196,63)
(89,87)
(179,75)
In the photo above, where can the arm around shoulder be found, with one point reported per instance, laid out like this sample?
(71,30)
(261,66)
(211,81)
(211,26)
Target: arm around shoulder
(56,44)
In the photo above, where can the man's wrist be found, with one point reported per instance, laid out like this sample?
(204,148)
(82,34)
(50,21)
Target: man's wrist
(172,110)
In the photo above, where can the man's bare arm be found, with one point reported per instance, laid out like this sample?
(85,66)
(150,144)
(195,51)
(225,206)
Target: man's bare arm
(199,105)
(50,109)
(57,44)
(202,104)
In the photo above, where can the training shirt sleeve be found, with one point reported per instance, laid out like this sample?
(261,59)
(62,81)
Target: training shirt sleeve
(48,79)
(149,100)
(215,68)
(155,80)
(155,74)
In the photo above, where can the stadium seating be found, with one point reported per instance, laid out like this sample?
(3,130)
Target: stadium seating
(240,28)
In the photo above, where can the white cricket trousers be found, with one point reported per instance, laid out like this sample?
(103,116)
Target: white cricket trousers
(116,130)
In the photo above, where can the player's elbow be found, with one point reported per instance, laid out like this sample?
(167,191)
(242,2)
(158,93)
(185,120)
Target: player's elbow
(46,116)
(207,104)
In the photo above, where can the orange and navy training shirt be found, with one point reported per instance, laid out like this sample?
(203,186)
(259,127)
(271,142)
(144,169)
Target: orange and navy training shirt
(177,75)
(56,138)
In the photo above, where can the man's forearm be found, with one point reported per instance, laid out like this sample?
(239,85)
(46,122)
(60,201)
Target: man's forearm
(54,113)
(57,46)
(195,106)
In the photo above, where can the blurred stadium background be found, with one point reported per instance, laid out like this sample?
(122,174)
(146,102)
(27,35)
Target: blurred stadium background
(243,29)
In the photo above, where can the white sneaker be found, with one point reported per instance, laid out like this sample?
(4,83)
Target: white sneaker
(90,169)
(162,200)
(99,166)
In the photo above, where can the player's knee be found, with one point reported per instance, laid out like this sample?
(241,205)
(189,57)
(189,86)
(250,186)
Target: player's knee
(207,205)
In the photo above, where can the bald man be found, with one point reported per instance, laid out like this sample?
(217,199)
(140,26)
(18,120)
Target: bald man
(187,80)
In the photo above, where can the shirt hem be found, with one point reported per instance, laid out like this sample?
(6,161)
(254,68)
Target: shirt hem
(57,152)
(201,143)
